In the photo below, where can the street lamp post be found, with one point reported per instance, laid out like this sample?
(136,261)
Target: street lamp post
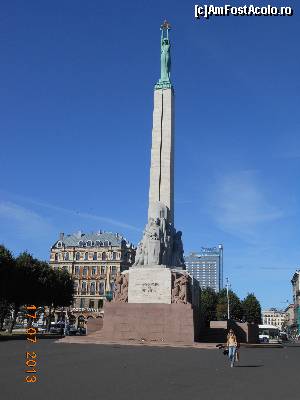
(66,321)
(228,302)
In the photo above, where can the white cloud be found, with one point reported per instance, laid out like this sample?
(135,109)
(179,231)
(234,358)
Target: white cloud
(240,205)
(86,215)
(26,222)
(77,214)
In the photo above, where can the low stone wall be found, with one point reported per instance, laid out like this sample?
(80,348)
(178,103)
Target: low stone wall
(245,332)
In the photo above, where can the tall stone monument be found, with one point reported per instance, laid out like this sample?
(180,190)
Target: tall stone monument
(156,299)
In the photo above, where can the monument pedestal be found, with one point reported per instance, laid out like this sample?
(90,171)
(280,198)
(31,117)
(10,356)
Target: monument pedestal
(156,323)
(154,304)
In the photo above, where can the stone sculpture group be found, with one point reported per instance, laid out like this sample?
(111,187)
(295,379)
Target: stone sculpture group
(161,244)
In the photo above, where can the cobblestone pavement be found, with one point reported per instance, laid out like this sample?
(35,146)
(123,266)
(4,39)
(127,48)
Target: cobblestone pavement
(114,372)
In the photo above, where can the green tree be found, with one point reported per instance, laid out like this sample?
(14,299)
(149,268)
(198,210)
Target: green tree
(29,281)
(251,309)
(59,292)
(235,306)
(7,267)
(45,286)
(209,299)
(22,281)
(5,312)
(7,272)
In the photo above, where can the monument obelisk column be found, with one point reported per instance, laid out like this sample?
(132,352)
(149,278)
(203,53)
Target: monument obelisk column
(161,245)
(162,152)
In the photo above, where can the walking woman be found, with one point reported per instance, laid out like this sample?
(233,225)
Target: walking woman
(232,346)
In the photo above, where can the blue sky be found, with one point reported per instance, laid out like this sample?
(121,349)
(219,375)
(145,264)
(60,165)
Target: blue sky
(76,107)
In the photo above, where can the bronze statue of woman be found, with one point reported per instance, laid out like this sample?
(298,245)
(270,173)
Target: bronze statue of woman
(165,58)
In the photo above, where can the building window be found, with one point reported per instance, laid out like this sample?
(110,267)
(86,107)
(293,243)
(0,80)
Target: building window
(101,288)
(77,256)
(106,243)
(113,270)
(84,271)
(56,257)
(59,244)
(100,303)
(86,256)
(94,269)
(93,288)
(76,270)
(82,303)
(103,256)
(80,243)
(89,243)
(91,304)
(95,256)
(99,243)
(114,255)
(66,256)
(102,270)
(65,268)
(75,286)
(83,288)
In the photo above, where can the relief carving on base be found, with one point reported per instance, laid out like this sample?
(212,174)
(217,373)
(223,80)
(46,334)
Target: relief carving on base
(181,292)
(120,294)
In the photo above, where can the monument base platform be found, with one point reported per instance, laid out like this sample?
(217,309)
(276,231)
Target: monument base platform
(164,323)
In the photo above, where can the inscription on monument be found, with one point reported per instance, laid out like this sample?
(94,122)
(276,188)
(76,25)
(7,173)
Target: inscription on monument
(149,285)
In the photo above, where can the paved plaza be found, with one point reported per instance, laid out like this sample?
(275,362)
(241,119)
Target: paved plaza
(114,372)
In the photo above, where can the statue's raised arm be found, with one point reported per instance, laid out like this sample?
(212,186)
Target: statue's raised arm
(165,71)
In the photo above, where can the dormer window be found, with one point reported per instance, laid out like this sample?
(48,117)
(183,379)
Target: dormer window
(81,243)
(59,244)
(106,243)
(89,243)
(99,243)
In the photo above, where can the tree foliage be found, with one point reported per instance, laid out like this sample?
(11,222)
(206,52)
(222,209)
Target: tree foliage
(214,306)
(235,306)
(251,309)
(209,299)
(26,280)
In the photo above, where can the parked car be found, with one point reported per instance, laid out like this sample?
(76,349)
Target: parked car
(58,328)
(72,330)
(42,329)
(283,336)
(81,331)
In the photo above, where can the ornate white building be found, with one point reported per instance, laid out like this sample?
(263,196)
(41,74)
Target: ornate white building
(274,317)
(93,260)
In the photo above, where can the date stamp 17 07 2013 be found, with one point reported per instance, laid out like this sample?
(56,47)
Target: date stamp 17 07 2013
(31,356)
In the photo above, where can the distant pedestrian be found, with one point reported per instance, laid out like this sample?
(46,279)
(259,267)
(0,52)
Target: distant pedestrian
(232,347)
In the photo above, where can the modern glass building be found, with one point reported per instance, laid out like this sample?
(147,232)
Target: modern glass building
(207,267)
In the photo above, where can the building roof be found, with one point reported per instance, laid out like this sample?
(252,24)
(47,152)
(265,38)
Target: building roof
(81,239)
(205,252)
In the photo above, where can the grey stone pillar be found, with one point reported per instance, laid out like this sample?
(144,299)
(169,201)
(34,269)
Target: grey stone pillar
(162,153)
